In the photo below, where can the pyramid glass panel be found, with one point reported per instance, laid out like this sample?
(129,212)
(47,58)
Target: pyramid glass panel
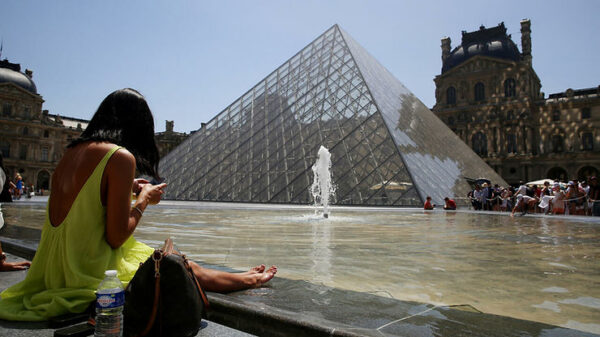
(386,147)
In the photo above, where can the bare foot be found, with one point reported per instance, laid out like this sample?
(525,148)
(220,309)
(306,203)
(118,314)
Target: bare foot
(257,269)
(12,266)
(267,275)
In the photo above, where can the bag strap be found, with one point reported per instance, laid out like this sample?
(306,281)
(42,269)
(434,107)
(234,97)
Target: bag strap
(200,291)
(157,257)
(168,248)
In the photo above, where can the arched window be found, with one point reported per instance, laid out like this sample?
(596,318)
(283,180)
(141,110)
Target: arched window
(557,173)
(451,96)
(586,172)
(587,141)
(511,143)
(479,141)
(43,180)
(558,144)
(479,91)
(555,115)
(510,88)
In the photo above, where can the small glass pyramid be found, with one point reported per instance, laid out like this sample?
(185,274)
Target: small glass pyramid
(387,147)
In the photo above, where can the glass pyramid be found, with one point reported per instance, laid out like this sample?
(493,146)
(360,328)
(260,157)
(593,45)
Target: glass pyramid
(387,147)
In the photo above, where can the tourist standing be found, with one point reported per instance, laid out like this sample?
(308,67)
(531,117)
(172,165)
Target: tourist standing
(558,202)
(19,186)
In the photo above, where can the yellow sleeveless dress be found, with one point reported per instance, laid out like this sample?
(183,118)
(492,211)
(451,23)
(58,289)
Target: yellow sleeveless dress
(71,259)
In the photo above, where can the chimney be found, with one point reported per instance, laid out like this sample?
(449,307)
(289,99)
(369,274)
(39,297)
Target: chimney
(29,73)
(169,126)
(445,49)
(526,40)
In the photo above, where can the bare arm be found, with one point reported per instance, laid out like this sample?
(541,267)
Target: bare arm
(121,218)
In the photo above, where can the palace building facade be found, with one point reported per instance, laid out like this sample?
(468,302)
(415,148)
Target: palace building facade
(32,141)
(489,94)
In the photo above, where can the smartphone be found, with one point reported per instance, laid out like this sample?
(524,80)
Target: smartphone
(68,319)
(83,329)
(157,182)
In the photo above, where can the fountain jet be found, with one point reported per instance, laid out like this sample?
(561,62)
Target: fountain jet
(322,187)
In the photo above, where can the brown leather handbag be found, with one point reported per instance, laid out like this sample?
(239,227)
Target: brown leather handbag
(164,298)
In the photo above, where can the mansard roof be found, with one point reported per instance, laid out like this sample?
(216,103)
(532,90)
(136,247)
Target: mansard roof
(493,42)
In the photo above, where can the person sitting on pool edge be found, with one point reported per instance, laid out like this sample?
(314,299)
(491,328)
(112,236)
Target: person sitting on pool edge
(449,205)
(428,205)
(90,220)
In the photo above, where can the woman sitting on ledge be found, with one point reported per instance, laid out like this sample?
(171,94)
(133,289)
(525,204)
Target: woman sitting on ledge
(90,221)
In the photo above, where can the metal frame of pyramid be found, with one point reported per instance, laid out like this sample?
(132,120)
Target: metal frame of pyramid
(387,147)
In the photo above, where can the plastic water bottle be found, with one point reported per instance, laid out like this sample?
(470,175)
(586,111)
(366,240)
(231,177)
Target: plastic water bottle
(110,299)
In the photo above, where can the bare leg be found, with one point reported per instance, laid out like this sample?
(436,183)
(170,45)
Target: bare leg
(221,281)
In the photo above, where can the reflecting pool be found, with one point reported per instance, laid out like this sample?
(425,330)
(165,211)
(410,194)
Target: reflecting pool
(543,269)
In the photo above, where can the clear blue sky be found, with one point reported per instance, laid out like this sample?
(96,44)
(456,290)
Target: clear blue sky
(193,58)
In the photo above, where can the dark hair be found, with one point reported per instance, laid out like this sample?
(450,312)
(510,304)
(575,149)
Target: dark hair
(124,118)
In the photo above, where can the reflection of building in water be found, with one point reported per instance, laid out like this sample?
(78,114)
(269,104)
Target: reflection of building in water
(489,94)
(32,140)
(386,147)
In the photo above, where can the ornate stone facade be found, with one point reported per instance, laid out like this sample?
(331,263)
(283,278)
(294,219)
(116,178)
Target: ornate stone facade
(489,94)
(32,141)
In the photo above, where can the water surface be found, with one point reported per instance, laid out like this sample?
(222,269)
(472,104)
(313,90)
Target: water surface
(542,269)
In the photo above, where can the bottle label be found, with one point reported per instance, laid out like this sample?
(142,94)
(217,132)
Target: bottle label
(112,300)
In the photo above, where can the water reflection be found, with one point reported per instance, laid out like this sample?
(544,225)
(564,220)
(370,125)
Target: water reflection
(539,269)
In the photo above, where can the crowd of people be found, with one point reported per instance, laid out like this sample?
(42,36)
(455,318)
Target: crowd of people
(553,197)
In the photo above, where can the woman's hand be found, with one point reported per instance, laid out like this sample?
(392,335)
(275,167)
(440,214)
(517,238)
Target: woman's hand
(151,193)
(137,185)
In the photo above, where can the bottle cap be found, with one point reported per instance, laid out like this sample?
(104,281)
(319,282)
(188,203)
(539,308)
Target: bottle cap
(110,273)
